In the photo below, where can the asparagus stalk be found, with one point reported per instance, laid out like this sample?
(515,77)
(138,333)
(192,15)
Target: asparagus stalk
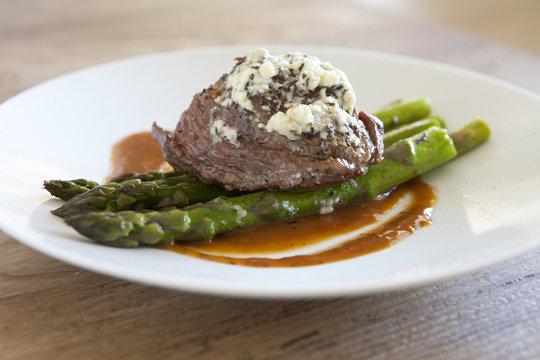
(406,159)
(413,156)
(135,194)
(67,189)
(470,136)
(148,176)
(405,131)
(404,112)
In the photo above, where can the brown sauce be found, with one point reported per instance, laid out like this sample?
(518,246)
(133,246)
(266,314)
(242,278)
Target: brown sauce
(137,153)
(252,246)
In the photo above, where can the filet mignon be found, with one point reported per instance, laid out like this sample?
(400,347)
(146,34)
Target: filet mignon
(282,122)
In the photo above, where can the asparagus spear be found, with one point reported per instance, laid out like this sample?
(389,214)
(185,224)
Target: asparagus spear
(67,189)
(148,176)
(470,136)
(405,131)
(135,194)
(421,153)
(404,112)
(405,160)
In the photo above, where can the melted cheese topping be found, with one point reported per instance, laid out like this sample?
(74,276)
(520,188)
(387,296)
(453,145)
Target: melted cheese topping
(318,97)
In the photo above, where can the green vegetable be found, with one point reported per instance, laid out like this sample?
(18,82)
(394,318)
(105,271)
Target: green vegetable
(67,189)
(150,176)
(405,131)
(404,112)
(134,194)
(472,135)
(156,207)
(408,158)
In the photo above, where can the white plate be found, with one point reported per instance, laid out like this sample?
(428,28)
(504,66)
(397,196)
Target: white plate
(488,207)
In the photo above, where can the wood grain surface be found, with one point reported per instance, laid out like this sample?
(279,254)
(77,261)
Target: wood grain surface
(51,310)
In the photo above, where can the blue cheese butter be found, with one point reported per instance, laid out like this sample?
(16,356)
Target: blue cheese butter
(328,109)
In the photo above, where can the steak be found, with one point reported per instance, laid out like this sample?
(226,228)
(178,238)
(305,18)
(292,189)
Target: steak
(285,122)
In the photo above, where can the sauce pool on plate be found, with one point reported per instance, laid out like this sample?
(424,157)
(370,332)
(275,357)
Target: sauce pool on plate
(137,153)
(267,245)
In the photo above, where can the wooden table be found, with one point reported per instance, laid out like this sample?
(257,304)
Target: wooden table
(49,309)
